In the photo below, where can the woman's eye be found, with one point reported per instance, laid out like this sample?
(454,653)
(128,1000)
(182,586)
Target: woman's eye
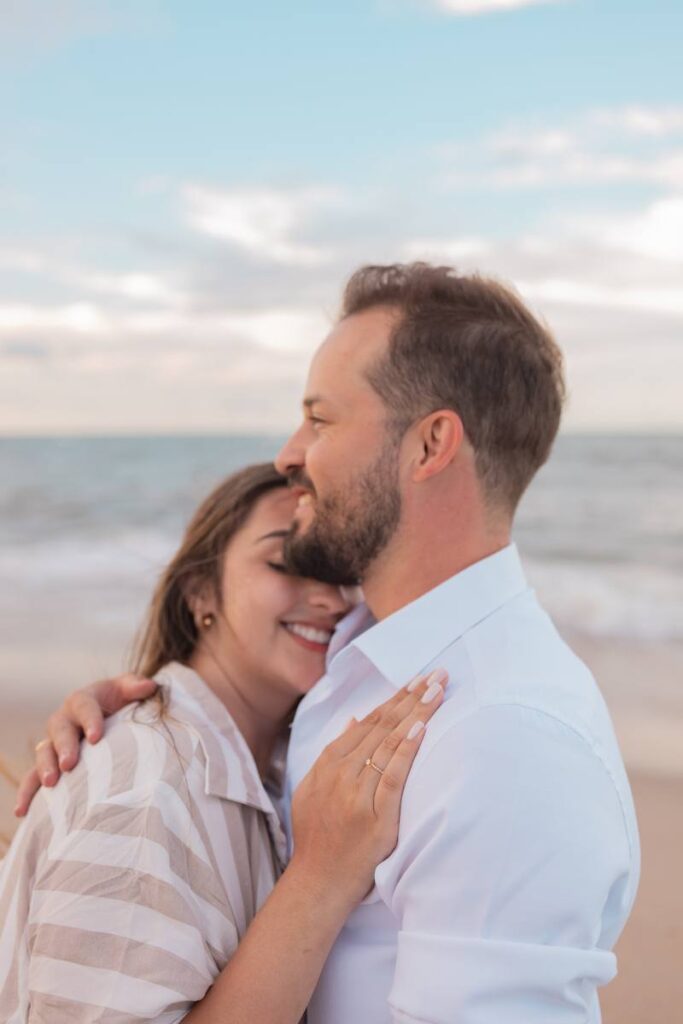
(279,567)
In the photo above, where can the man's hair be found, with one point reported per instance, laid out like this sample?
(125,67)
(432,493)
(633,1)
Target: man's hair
(467,343)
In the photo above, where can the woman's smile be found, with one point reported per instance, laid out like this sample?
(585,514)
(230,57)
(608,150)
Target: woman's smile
(313,638)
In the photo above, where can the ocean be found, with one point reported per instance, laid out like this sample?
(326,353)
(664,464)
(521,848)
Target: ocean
(86,524)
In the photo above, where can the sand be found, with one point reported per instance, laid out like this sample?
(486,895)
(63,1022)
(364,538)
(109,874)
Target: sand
(643,685)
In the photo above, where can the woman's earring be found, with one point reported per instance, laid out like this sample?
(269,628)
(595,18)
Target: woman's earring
(208,620)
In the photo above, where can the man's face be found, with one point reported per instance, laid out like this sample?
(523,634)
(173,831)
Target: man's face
(343,460)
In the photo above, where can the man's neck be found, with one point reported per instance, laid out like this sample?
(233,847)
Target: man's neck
(417,560)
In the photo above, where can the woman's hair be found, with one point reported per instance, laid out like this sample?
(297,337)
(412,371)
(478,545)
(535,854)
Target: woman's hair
(169,632)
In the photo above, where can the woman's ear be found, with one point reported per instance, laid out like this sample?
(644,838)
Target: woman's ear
(200,600)
(440,436)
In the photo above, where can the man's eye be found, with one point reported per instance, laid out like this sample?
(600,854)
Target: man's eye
(279,567)
(315,419)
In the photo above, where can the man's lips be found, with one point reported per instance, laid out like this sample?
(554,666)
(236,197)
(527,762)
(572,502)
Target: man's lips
(300,492)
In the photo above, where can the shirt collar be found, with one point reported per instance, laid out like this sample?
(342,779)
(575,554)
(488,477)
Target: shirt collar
(231,771)
(403,644)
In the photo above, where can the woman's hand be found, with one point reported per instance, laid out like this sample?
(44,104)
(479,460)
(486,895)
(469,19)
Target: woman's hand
(82,713)
(345,821)
(345,812)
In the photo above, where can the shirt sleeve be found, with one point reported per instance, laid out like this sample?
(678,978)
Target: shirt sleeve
(512,846)
(126,920)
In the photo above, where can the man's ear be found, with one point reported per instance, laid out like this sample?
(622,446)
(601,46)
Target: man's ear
(440,437)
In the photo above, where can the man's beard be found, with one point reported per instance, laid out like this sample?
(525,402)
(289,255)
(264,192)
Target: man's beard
(350,529)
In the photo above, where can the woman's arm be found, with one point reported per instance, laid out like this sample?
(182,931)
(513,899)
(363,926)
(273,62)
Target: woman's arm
(345,821)
(82,714)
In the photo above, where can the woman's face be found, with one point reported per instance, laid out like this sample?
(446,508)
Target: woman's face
(272,626)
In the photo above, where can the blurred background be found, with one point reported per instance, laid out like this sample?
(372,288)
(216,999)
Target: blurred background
(183,191)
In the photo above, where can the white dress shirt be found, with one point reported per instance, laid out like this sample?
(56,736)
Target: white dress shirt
(518,858)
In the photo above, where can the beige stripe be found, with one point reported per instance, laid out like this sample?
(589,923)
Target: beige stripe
(20,863)
(51,1009)
(100,924)
(137,998)
(131,959)
(78,877)
(231,863)
(77,784)
(148,822)
(124,761)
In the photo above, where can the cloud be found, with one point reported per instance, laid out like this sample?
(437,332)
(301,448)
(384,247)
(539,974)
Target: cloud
(447,250)
(640,121)
(80,317)
(642,145)
(474,7)
(656,231)
(260,221)
(610,288)
(284,329)
(212,328)
(135,286)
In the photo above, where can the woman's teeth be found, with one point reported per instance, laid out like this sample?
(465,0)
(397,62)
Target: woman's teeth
(315,636)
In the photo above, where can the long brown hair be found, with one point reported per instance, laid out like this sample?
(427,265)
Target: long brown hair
(169,632)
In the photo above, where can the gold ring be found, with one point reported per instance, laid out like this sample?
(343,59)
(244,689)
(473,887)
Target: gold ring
(41,744)
(371,764)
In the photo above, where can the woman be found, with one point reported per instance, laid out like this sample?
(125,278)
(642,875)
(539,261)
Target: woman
(132,890)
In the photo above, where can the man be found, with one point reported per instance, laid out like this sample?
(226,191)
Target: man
(427,412)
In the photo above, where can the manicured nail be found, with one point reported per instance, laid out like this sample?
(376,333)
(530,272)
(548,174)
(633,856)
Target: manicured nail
(92,735)
(48,777)
(439,675)
(431,693)
(63,761)
(415,730)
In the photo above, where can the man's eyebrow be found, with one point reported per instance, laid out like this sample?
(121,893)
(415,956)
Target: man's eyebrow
(273,533)
(312,400)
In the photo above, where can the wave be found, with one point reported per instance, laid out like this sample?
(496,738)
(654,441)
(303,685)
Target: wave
(639,601)
(635,601)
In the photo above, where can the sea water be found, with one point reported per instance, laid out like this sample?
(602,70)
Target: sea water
(86,525)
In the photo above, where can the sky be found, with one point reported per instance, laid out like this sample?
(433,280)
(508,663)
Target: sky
(184,189)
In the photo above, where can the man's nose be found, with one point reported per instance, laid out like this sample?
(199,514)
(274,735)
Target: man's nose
(326,597)
(291,456)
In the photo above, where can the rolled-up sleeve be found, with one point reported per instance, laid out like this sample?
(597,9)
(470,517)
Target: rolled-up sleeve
(512,845)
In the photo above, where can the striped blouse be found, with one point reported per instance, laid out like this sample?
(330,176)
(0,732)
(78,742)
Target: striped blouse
(129,885)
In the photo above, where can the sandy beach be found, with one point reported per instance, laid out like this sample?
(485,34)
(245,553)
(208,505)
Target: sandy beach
(649,722)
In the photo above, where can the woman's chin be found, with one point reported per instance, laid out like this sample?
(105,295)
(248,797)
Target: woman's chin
(305,680)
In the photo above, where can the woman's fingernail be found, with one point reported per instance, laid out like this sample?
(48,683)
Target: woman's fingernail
(430,694)
(413,685)
(415,730)
(48,777)
(439,675)
(63,761)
